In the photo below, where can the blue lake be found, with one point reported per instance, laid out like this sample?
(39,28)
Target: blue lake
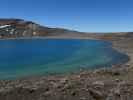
(27,57)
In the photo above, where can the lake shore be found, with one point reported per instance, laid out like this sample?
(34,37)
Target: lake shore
(115,83)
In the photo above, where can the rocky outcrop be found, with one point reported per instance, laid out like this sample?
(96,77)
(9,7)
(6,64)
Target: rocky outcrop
(18,28)
(14,28)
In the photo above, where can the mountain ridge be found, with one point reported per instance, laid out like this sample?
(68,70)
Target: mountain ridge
(22,28)
(17,28)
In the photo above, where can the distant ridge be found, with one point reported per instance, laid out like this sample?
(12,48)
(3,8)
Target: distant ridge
(17,28)
(23,28)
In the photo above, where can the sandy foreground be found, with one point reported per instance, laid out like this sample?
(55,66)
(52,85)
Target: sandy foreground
(115,83)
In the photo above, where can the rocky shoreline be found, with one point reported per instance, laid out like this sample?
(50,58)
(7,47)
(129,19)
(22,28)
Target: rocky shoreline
(115,83)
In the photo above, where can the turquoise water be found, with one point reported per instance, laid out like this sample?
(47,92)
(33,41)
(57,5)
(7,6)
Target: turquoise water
(27,57)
